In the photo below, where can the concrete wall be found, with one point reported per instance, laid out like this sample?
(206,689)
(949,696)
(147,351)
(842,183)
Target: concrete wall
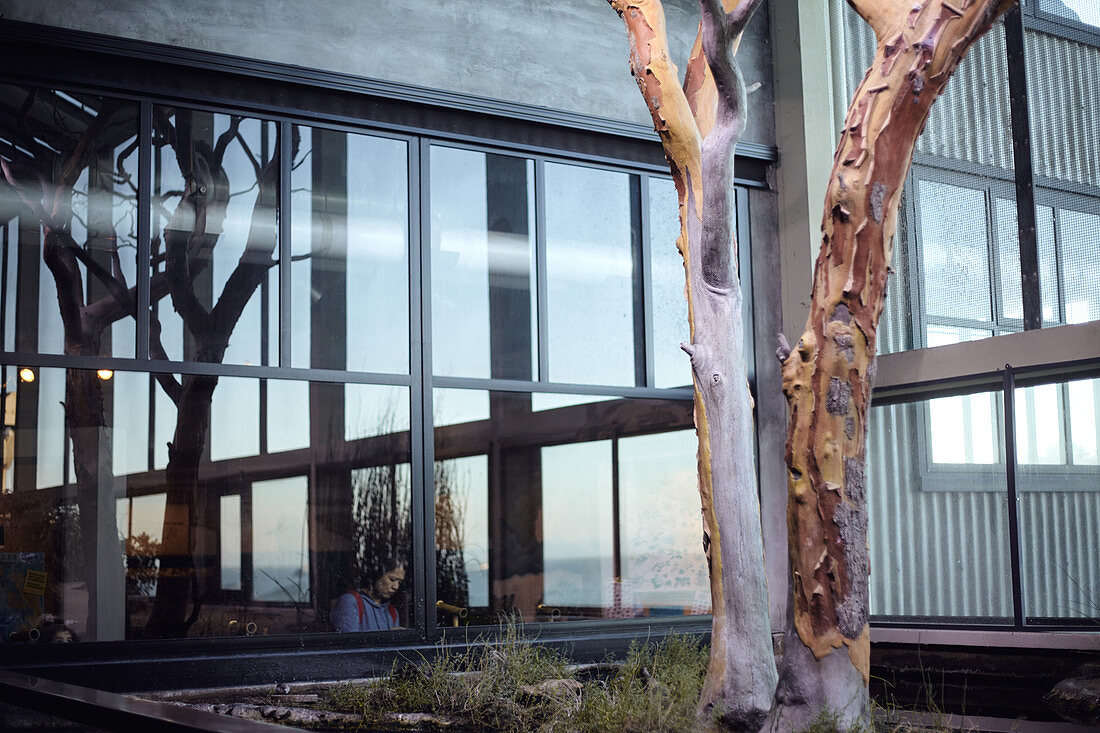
(569,55)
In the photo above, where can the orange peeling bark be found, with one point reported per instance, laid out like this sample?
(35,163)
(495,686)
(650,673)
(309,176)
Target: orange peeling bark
(827,378)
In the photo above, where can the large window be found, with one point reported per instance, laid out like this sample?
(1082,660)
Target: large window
(249,363)
(949,537)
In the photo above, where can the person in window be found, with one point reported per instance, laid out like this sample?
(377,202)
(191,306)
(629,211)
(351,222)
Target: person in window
(369,608)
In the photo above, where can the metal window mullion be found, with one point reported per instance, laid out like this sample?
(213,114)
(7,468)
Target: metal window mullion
(744,274)
(286,164)
(645,265)
(1008,386)
(420,366)
(1024,171)
(918,316)
(540,271)
(143,267)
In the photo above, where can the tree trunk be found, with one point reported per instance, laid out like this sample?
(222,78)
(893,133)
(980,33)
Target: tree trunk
(700,124)
(827,378)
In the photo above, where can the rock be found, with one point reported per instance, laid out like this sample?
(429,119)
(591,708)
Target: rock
(562,691)
(297,699)
(1078,698)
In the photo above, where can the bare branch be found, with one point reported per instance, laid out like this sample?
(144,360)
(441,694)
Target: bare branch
(37,210)
(168,382)
(227,137)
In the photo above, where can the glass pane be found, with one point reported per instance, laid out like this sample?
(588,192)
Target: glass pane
(670,312)
(75,156)
(350,252)
(955,242)
(280,540)
(1059,501)
(215,238)
(663,562)
(1039,426)
(483,293)
(230,542)
(1079,237)
(227,535)
(590,254)
(938,533)
(1008,262)
(556,522)
(1084,410)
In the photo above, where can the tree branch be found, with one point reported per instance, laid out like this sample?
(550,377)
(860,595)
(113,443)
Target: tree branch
(658,80)
(880,14)
(699,87)
(168,382)
(720,33)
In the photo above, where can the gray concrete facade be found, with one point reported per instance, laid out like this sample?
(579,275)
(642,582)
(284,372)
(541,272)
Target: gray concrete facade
(568,55)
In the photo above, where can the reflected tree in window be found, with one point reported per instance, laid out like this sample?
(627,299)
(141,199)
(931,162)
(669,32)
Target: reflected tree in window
(196,224)
(70,187)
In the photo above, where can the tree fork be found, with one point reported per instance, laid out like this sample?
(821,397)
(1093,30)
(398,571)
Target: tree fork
(699,124)
(827,377)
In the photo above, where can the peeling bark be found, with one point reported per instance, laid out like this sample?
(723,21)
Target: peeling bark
(826,658)
(699,124)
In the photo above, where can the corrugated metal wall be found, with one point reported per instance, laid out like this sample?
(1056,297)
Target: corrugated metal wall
(945,553)
(970,122)
(1062,78)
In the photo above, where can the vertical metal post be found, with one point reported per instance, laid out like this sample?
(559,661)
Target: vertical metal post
(420,357)
(540,271)
(1009,387)
(616,531)
(644,350)
(144,267)
(286,164)
(1021,160)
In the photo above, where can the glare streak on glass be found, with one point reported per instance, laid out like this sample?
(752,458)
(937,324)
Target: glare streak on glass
(590,276)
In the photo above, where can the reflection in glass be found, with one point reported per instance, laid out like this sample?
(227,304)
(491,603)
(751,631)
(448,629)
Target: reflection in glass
(670,312)
(74,156)
(280,540)
(230,542)
(662,557)
(235,532)
(215,277)
(1059,483)
(350,252)
(483,294)
(590,256)
(954,240)
(938,534)
(549,512)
